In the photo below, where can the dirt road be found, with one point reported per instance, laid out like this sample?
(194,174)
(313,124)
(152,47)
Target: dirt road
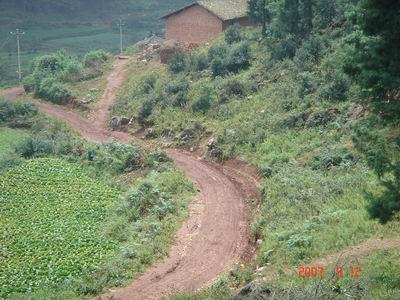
(12,93)
(212,239)
(100,114)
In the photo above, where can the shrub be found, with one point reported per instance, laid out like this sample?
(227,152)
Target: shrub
(115,157)
(330,158)
(234,60)
(54,91)
(203,101)
(232,34)
(145,111)
(284,48)
(177,63)
(155,158)
(336,89)
(310,52)
(29,83)
(9,111)
(238,58)
(306,84)
(177,90)
(219,51)
(231,87)
(198,62)
(148,83)
(72,72)
(176,86)
(94,58)
(218,67)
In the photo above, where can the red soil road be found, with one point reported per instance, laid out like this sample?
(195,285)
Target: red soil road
(211,240)
(100,114)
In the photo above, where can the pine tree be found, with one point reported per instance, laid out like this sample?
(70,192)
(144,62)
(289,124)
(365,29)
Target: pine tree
(259,12)
(376,67)
(290,16)
(308,15)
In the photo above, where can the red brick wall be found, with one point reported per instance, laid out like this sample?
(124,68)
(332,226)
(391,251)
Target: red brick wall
(193,25)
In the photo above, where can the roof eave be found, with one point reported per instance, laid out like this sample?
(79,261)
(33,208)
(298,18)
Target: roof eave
(177,11)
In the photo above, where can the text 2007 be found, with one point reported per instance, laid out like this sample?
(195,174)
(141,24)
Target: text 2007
(311,272)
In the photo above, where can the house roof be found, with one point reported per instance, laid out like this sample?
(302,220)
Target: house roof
(223,9)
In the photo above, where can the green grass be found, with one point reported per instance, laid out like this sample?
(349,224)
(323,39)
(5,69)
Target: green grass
(51,215)
(314,182)
(8,139)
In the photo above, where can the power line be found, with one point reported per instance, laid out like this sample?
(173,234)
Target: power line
(18,33)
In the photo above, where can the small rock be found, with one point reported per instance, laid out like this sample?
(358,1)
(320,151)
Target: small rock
(115,122)
(186,135)
(150,133)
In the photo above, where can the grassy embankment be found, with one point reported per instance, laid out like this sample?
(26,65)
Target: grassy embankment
(293,119)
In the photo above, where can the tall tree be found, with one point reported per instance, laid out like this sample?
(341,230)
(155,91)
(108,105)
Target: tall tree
(259,12)
(376,67)
(290,16)
(308,16)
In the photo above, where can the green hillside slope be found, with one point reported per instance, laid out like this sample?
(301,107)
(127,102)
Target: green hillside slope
(285,103)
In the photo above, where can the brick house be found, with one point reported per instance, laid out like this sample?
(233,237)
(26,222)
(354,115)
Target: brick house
(202,21)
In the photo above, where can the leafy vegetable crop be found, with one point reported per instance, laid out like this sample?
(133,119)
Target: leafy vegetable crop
(50,216)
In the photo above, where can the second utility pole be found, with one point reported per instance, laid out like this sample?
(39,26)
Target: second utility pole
(120,36)
(18,33)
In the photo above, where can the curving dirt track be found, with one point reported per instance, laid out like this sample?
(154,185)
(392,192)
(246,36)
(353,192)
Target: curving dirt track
(211,240)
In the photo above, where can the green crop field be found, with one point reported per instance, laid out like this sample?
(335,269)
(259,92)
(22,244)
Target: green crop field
(50,216)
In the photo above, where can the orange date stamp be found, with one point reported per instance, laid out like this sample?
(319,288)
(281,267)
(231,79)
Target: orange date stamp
(319,271)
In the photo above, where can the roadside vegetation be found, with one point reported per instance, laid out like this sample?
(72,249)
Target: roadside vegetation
(55,75)
(288,100)
(88,217)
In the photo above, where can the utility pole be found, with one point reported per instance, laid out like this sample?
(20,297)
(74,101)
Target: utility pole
(18,33)
(120,36)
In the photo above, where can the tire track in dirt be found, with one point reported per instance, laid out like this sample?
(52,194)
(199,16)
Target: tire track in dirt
(211,240)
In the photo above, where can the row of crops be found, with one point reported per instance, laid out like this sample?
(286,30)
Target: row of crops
(50,225)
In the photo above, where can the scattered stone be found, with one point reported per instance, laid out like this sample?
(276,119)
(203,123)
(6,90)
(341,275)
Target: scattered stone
(167,133)
(118,122)
(252,291)
(261,270)
(148,48)
(150,133)
(186,135)
(115,122)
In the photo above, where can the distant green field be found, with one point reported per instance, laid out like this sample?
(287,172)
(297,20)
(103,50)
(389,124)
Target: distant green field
(50,216)
(75,40)
(8,139)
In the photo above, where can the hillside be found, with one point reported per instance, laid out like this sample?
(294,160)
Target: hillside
(304,109)
(286,102)
(77,26)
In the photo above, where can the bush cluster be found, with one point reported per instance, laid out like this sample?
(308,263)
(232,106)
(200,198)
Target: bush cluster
(51,72)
